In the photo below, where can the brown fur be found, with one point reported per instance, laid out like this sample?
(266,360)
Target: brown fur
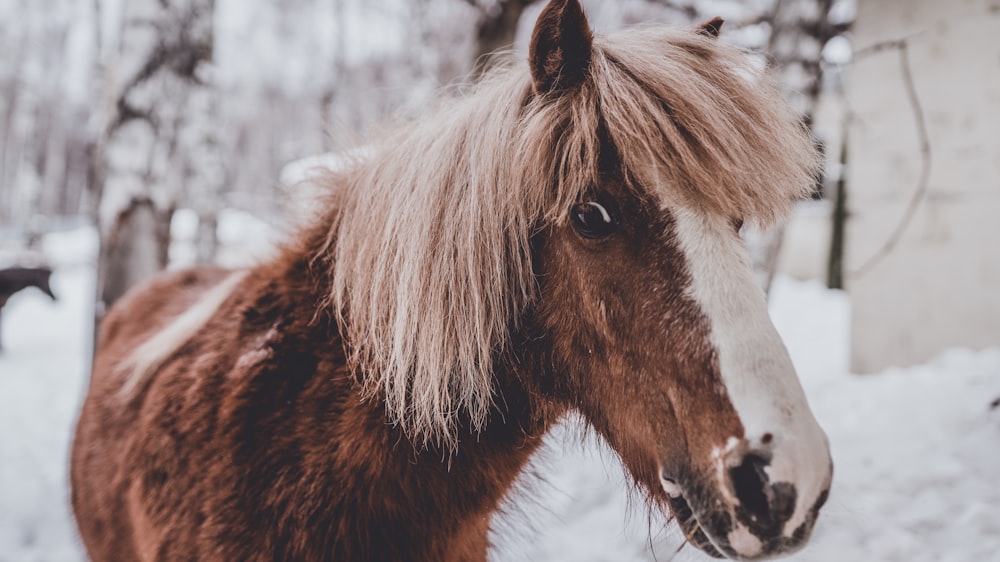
(373,392)
(263,449)
(561,46)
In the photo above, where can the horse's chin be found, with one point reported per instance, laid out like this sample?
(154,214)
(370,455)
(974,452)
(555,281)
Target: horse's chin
(693,533)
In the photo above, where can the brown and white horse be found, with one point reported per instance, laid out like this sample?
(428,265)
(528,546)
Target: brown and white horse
(563,239)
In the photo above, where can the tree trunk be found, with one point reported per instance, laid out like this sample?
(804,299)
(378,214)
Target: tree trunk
(151,150)
(835,263)
(207,238)
(799,30)
(496,31)
(136,248)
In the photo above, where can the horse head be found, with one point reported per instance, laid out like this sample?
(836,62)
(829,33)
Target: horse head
(658,332)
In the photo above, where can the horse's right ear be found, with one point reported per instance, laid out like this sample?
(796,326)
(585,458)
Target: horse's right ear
(561,47)
(711,28)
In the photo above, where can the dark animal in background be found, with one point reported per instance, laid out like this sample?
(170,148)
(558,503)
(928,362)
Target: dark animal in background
(14,279)
(563,239)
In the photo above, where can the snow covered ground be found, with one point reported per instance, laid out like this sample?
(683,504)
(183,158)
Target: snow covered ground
(43,373)
(917,450)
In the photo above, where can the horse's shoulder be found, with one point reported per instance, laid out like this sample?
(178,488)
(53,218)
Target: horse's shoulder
(153,303)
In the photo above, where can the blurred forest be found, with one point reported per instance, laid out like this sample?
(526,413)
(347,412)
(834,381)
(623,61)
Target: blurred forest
(118,113)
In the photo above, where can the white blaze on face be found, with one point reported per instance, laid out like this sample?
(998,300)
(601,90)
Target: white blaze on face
(756,369)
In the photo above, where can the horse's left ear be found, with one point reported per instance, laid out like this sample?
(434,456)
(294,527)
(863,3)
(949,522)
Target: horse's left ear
(711,28)
(561,47)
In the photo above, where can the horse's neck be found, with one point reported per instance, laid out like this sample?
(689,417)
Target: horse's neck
(431,502)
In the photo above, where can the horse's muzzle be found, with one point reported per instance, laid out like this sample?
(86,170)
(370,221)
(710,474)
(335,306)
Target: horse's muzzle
(745,511)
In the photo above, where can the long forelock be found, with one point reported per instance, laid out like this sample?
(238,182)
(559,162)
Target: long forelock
(430,267)
(431,259)
(701,126)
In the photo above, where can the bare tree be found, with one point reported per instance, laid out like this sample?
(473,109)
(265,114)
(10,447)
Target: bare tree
(496,29)
(799,31)
(153,144)
(10,91)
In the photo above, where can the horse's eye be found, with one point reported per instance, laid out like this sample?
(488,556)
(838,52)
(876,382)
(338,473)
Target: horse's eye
(592,220)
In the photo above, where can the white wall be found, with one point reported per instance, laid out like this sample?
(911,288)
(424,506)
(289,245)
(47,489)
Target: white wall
(940,288)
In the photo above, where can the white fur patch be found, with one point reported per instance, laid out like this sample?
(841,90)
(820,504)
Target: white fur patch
(670,487)
(744,542)
(149,355)
(756,369)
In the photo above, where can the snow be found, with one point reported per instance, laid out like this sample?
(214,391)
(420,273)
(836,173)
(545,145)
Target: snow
(915,449)
(298,48)
(43,372)
(243,238)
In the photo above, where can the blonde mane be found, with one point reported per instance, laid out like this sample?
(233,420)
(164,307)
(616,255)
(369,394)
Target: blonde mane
(431,260)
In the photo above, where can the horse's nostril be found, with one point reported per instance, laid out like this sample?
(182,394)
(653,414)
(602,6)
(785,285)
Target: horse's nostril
(750,483)
(670,485)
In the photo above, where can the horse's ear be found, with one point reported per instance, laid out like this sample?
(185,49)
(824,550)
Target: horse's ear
(711,28)
(561,47)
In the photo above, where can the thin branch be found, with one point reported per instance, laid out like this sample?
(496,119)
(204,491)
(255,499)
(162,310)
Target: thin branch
(926,155)
(879,47)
